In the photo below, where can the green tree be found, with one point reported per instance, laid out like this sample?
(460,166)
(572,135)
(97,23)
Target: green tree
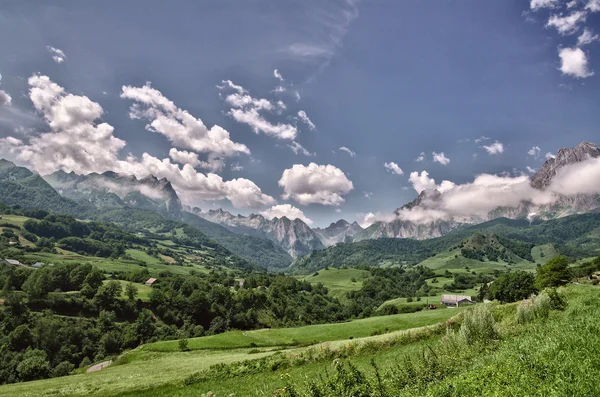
(554,273)
(513,286)
(21,338)
(108,295)
(33,365)
(131,291)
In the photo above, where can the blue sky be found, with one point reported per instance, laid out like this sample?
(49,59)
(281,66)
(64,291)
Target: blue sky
(388,80)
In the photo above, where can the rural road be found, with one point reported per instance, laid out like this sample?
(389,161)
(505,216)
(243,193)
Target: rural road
(99,366)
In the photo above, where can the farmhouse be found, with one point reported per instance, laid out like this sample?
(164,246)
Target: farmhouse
(150,282)
(13,262)
(456,300)
(37,265)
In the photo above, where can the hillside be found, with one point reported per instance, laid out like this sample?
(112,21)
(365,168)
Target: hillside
(574,236)
(132,203)
(36,236)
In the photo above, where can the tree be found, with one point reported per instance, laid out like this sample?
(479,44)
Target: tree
(34,365)
(513,286)
(108,294)
(21,338)
(131,291)
(554,273)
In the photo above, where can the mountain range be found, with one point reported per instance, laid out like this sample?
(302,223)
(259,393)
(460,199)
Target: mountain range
(274,243)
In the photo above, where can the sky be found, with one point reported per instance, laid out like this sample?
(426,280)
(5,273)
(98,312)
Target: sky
(309,109)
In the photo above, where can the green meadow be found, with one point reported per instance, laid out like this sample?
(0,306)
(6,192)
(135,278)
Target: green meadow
(161,364)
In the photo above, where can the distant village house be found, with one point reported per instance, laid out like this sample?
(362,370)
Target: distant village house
(456,300)
(150,282)
(13,262)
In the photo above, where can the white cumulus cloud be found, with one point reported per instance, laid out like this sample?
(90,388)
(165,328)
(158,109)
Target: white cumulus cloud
(593,5)
(58,55)
(278,75)
(574,62)
(494,148)
(587,37)
(569,24)
(249,110)
(534,151)
(393,168)
(315,184)
(287,210)
(440,158)
(421,157)
(180,127)
(79,142)
(422,181)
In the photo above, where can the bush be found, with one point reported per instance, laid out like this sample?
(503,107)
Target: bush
(558,301)
(63,369)
(536,307)
(478,326)
(183,345)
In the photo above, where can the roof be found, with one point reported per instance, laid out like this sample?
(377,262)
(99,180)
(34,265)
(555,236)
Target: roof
(12,261)
(455,298)
(150,281)
(37,265)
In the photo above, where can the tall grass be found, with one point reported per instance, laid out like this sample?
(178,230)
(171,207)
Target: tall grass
(538,306)
(538,355)
(478,326)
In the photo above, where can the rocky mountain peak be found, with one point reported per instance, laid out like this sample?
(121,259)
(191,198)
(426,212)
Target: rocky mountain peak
(565,156)
(421,200)
(339,224)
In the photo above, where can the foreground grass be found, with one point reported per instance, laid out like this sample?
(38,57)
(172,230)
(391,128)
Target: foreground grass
(554,356)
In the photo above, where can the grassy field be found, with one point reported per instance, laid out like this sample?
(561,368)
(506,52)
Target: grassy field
(162,364)
(14,219)
(453,261)
(310,334)
(339,281)
(143,290)
(141,256)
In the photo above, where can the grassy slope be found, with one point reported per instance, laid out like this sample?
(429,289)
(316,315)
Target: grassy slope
(339,281)
(154,265)
(548,251)
(310,333)
(159,364)
(556,357)
(143,290)
(451,260)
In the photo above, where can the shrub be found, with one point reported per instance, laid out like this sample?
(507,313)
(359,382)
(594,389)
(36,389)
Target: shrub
(183,344)
(478,325)
(63,369)
(558,301)
(536,307)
